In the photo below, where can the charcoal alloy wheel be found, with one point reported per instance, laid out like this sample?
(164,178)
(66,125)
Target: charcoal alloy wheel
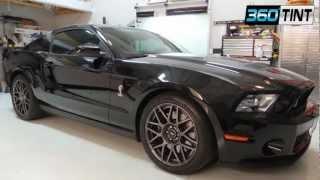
(171,134)
(176,134)
(21,97)
(24,102)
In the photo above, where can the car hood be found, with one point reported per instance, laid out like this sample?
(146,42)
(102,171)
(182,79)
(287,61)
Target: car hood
(236,71)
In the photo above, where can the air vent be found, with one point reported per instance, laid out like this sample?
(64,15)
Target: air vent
(145,14)
(189,10)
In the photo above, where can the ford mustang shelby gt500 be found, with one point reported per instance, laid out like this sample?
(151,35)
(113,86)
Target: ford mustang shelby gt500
(187,111)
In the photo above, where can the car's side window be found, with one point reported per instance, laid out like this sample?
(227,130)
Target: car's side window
(150,45)
(67,42)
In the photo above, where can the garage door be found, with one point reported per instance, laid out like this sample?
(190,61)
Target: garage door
(300,51)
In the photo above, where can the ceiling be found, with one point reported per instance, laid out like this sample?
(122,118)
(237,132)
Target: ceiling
(55,9)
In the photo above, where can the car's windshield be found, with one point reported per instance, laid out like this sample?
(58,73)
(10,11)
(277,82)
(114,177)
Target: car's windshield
(129,42)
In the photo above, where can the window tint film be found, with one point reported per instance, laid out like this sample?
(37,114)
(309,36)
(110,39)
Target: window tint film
(67,42)
(128,42)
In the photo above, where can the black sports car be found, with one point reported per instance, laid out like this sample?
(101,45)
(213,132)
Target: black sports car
(187,111)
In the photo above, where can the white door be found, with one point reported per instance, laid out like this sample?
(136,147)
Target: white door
(300,51)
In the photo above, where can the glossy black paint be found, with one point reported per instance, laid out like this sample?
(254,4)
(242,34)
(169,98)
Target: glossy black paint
(216,85)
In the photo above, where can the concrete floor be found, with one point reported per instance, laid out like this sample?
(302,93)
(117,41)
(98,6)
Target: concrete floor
(56,148)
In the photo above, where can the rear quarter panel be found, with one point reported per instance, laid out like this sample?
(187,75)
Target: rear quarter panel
(22,61)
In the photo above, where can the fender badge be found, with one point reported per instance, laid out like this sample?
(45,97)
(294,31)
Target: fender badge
(120,89)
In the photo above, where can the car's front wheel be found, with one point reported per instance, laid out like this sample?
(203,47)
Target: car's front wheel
(24,102)
(176,135)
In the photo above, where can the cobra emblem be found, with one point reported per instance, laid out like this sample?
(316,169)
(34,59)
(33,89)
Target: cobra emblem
(120,89)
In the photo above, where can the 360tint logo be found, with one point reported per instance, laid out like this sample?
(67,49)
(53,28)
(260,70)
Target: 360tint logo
(273,15)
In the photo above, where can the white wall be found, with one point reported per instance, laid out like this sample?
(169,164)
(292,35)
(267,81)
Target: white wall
(190,31)
(117,12)
(216,33)
(71,19)
(81,5)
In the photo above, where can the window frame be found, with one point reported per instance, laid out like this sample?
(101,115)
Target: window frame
(104,46)
(121,55)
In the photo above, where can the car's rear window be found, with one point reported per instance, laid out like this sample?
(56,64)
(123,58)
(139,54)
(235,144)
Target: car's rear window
(40,44)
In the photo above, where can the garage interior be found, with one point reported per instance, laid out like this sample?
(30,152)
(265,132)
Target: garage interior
(58,148)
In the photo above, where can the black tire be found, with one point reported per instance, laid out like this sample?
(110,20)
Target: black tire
(197,134)
(24,102)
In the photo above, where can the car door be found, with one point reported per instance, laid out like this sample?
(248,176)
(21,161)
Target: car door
(122,92)
(79,74)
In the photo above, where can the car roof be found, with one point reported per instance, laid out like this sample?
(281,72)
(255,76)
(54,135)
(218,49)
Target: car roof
(87,26)
(71,27)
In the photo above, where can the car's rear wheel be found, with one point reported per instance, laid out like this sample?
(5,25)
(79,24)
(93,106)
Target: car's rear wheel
(24,102)
(176,135)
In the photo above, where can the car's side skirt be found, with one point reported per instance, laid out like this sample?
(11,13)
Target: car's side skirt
(92,122)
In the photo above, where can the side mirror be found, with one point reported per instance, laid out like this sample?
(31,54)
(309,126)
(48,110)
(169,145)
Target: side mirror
(90,50)
(88,47)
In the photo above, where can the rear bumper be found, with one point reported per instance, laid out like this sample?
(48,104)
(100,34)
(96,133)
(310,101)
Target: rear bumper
(273,140)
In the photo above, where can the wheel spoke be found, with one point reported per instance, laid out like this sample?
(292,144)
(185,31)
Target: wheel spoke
(175,154)
(168,158)
(188,147)
(24,107)
(187,130)
(157,117)
(27,106)
(19,107)
(182,153)
(184,121)
(154,138)
(170,113)
(155,124)
(163,114)
(159,145)
(19,87)
(153,131)
(189,139)
(162,151)
(16,99)
(177,116)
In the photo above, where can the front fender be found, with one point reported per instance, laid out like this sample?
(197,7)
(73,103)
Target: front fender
(157,89)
